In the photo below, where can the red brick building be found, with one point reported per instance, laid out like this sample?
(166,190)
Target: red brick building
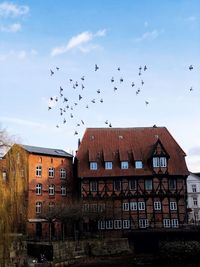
(44,182)
(131,178)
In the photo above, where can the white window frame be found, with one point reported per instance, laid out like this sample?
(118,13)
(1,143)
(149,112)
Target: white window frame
(38,207)
(38,171)
(93,186)
(194,188)
(117,185)
(93,165)
(141,205)
(93,207)
(63,173)
(124,165)
(159,162)
(133,205)
(51,190)
(109,224)
(174,223)
(117,224)
(51,172)
(143,223)
(173,205)
(63,190)
(166,223)
(157,205)
(125,206)
(108,165)
(138,164)
(126,224)
(132,184)
(101,224)
(86,207)
(38,189)
(101,207)
(195,201)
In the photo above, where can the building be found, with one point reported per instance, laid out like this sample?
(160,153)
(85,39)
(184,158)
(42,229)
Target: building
(131,178)
(193,189)
(42,183)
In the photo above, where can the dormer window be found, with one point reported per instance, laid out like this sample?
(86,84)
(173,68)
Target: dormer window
(108,165)
(124,164)
(138,164)
(93,165)
(159,162)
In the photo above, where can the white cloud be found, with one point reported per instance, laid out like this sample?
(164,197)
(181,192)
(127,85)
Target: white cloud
(191,18)
(15,27)
(78,41)
(147,36)
(24,122)
(11,10)
(22,54)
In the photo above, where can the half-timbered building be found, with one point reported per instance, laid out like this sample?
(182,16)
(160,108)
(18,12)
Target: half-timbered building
(131,178)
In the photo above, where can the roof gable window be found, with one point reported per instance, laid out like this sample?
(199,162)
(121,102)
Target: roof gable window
(159,162)
(93,165)
(124,164)
(108,165)
(138,164)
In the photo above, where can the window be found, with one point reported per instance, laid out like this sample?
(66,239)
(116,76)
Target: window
(141,205)
(108,165)
(101,207)
(117,224)
(101,224)
(195,201)
(38,171)
(38,189)
(138,164)
(173,206)
(93,207)
(124,164)
(38,207)
(157,205)
(166,223)
(125,206)
(93,165)
(117,185)
(172,184)
(143,223)
(148,184)
(126,224)
(4,175)
(93,186)
(159,162)
(62,173)
(51,206)
(133,205)
(51,190)
(51,172)
(194,188)
(109,224)
(196,217)
(86,207)
(174,223)
(132,184)
(63,190)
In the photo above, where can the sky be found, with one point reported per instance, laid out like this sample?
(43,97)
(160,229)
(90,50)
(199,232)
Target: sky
(45,45)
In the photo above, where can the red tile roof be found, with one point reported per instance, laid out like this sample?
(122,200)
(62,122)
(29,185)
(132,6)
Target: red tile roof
(120,144)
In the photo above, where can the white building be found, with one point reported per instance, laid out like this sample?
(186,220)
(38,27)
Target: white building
(193,189)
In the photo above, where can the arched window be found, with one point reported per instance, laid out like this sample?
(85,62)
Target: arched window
(38,207)
(51,190)
(38,189)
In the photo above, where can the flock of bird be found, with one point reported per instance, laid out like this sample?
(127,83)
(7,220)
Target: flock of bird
(67,108)
(67,105)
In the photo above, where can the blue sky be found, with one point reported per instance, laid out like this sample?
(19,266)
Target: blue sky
(38,36)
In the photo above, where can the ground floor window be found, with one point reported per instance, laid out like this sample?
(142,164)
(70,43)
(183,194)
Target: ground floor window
(143,223)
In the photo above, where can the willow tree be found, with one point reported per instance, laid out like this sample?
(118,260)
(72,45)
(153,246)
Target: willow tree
(13,186)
